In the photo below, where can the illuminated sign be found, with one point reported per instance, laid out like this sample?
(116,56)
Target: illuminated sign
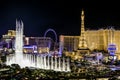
(111,47)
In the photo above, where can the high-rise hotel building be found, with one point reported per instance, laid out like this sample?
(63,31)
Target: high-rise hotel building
(31,44)
(91,39)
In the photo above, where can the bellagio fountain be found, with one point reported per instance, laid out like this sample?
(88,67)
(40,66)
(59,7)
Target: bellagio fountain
(32,60)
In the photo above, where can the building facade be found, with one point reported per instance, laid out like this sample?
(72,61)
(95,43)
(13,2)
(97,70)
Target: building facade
(43,44)
(95,39)
(31,44)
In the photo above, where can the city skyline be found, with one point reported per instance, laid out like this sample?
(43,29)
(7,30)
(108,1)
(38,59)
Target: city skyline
(40,16)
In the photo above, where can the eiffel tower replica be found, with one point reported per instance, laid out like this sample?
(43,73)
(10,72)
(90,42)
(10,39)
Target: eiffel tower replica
(82,47)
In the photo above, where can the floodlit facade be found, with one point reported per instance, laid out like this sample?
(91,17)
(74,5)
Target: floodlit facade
(10,34)
(94,39)
(43,44)
(8,39)
(31,44)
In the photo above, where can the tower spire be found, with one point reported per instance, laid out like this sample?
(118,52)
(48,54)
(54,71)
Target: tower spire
(82,41)
(82,23)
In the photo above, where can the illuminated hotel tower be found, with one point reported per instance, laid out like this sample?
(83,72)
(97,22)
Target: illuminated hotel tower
(82,41)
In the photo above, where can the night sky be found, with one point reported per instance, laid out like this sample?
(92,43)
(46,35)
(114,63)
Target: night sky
(61,15)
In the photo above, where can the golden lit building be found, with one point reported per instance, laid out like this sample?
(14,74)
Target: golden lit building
(99,39)
(92,39)
(10,34)
(8,39)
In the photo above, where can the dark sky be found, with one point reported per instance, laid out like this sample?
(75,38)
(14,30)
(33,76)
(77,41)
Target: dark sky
(61,15)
